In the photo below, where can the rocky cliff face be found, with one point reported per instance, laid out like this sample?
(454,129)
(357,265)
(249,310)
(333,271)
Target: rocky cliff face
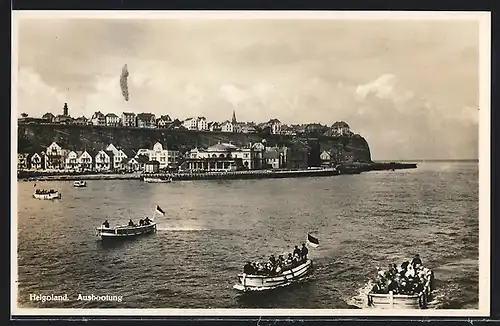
(36,138)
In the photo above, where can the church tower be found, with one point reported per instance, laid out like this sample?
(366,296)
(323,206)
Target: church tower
(234,118)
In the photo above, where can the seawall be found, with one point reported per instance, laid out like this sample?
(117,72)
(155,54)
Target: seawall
(231,175)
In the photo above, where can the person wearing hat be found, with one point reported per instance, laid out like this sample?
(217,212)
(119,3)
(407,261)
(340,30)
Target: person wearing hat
(303,252)
(416,260)
(248,268)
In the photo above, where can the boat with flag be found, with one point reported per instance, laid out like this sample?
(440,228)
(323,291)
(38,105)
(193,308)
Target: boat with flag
(277,272)
(145,226)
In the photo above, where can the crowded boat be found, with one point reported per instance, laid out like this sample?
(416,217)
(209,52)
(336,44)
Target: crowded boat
(277,271)
(277,265)
(409,278)
(46,194)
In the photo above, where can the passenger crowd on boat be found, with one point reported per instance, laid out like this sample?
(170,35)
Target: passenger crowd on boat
(275,266)
(409,278)
(142,222)
(45,192)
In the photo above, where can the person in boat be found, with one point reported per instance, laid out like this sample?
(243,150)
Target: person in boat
(392,271)
(303,252)
(296,251)
(248,268)
(404,266)
(416,260)
(141,222)
(106,224)
(131,223)
(147,221)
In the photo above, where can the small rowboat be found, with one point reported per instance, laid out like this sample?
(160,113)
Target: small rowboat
(157,180)
(125,231)
(80,184)
(247,282)
(49,195)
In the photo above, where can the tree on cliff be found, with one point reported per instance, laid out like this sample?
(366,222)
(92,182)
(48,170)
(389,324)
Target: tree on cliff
(24,115)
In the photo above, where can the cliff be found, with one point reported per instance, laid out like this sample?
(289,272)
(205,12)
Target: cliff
(36,138)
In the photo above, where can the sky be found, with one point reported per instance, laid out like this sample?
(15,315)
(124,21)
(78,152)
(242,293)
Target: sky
(410,87)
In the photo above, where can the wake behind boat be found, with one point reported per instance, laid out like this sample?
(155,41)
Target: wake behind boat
(46,194)
(145,226)
(276,272)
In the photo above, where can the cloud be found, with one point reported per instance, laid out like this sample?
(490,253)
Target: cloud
(33,91)
(298,71)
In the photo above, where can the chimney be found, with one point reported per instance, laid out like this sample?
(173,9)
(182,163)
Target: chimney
(65,109)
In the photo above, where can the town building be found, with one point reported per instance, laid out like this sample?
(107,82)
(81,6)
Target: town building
(38,161)
(146,120)
(225,157)
(129,119)
(103,161)
(23,162)
(340,128)
(136,163)
(163,121)
(55,157)
(72,160)
(112,120)
(98,119)
(152,167)
(167,158)
(49,117)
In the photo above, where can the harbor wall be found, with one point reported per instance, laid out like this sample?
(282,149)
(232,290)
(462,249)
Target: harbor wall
(230,175)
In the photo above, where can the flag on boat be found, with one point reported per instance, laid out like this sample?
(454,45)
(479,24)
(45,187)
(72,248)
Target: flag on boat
(312,241)
(159,210)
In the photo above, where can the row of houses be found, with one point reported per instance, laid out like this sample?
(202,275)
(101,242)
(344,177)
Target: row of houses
(150,120)
(111,158)
(219,157)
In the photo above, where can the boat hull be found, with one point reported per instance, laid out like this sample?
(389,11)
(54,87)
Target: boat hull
(248,282)
(51,196)
(155,180)
(122,232)
(398,301)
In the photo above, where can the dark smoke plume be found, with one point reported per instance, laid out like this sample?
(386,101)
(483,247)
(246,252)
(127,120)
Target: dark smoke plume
(123,82)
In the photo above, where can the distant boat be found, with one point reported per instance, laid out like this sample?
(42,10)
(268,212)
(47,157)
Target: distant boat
(128,230)
(157,180)
(46,194)
(80,184)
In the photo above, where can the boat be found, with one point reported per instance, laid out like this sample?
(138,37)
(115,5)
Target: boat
(80,184)
(125,231)
(411,300)
(129,230)
(157,180)
(46,194)
(250,282)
